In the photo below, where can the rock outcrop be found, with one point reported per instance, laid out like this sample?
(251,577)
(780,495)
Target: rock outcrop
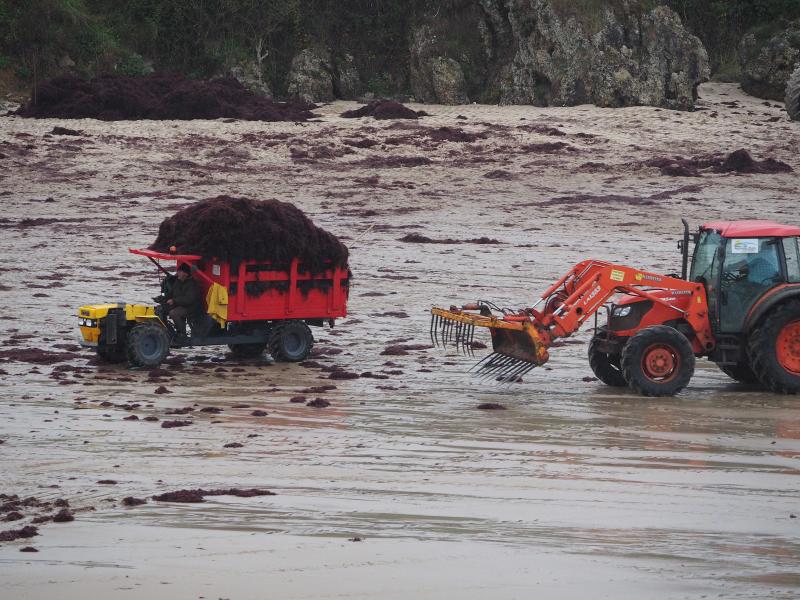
(249,74)
(311,76)
(768,63)
(793,95)
(548,52)
(316,76)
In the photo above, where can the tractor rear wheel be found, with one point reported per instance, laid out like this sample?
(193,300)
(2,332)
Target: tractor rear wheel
(774,349)
(147,345)
(247,350)
(605,366)
(658,361)
(741,372)
(793,95)
(290,341)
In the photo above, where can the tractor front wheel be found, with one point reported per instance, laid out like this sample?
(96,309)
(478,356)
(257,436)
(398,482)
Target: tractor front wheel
(290,341)
(658,361)
(605,366)
(147,345)
(247,350)
(774,349)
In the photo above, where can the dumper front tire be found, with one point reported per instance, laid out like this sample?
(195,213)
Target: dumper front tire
(290,341)
(658,361)
(147,345)
(111,353)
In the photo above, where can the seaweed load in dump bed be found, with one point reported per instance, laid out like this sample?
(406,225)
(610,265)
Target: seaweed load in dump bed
(157,96)
(240,229)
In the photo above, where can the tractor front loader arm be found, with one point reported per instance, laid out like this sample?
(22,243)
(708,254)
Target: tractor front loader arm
(521,338)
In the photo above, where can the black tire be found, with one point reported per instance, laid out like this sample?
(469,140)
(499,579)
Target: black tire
(606,366)
(793,95)
(247,350)
(740,372)
(774,349)
(290,341)
(147,345)
(658,361)
(111,354)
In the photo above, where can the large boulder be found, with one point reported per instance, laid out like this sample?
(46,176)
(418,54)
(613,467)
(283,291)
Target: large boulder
(346,81)
(249,74)
(435,77)
(793,95)
(550,52)
(623,57)
(311,76)
(767,63)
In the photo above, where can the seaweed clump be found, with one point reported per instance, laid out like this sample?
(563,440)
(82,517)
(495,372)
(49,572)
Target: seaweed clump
(242,229)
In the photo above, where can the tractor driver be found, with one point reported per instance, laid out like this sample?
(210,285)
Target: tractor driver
(183,299)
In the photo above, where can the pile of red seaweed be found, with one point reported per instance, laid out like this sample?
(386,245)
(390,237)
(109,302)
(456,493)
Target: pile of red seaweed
(239,229)
(157,96)
(384,109)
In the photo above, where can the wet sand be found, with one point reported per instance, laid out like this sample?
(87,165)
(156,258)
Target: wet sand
(575,490)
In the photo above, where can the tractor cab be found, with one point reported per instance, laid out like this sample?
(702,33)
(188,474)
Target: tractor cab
(743,266)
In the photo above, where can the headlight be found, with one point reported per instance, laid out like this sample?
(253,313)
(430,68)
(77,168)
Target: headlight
(87,322)
(622,311)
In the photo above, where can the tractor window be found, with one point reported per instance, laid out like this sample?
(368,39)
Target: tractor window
(752,266)
(704,254)
(791,249)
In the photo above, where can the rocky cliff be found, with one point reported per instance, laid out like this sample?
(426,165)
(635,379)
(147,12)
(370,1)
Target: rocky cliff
(768,62)
(554,52)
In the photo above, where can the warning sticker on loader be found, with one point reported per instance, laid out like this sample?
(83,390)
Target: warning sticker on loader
(744,246)
(617,275)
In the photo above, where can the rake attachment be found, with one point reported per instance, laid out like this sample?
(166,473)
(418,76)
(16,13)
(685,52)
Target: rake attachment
(517,344)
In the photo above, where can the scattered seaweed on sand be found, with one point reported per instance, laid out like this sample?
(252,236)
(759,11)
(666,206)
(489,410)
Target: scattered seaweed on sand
(416,238)
(237,229)
(156,96)
(739,161)
(176,423)
(491,406)
(318,403)
(133,501)
(15,534)
(198,495)
(384,109)
(57,130)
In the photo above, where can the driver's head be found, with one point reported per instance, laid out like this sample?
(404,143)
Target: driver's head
(184,272)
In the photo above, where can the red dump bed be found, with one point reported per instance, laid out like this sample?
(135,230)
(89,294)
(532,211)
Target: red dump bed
(258,292)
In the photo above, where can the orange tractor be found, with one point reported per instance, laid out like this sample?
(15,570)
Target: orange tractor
(738,305)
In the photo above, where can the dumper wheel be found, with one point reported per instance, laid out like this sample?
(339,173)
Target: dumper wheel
(110,353)
(658,361)
(741,372)
(247,350)
(147,345)
(774,349)
(605,366)
(290,341)
(793,95)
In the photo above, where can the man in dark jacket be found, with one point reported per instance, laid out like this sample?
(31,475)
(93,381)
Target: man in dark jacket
(183,299)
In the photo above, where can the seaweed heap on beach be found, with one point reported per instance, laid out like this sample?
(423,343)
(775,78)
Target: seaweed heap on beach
(157,96)
(384,109)
(240,229)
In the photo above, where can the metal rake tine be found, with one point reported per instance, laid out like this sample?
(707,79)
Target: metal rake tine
(459,326)
(433,328)
(446,326)
(504,374)
(519,371)
(488,365)
(436,326)
(490,371)
(468,340)
(481,361)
